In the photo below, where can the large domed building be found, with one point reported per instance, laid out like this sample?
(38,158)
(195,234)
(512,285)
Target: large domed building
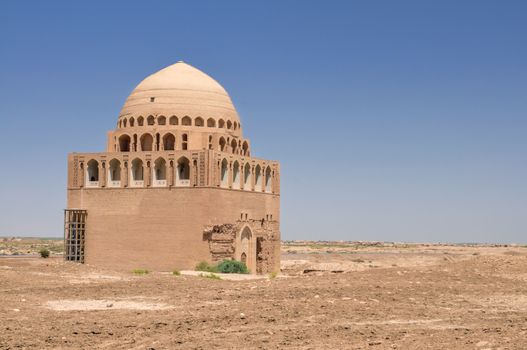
(177,184)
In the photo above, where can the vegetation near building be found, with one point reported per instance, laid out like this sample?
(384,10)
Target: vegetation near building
(226,266)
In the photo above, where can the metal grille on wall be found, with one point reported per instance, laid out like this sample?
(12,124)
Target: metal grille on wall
(74,234)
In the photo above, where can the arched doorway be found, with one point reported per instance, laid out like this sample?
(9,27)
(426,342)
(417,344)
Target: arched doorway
(246,248)
(124,143)
(160,173)
(183,172)
(236,178)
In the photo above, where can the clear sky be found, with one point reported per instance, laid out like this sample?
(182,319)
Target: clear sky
(392,120)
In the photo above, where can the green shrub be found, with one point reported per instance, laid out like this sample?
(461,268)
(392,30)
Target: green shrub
(44,253)
(176,272)
(205,266)
(141,271)
(232,266)
(273,275)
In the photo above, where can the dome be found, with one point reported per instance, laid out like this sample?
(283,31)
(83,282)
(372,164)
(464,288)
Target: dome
(180,90)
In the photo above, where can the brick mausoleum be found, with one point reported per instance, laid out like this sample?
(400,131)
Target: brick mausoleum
(177,184)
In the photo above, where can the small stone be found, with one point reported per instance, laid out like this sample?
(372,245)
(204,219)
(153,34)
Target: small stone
(109,305)
(482,343)
(242,315)
(317,296)
(16,310)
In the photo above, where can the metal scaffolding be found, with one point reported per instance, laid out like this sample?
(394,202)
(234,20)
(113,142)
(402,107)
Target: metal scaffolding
(74,234)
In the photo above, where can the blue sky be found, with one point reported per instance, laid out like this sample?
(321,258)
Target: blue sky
(392,120)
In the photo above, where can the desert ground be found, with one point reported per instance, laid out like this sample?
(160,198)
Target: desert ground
(329,295)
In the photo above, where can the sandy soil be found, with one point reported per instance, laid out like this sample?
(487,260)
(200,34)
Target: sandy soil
(330,296)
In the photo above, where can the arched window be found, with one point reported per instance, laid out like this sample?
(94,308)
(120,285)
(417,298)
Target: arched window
(236,175)
(211,123)
(169,142)
(134,143)
(120,123)
(92,171)
(247,177)
(183,172)
(124,123)
(146,142)
(268,179)
(210,141)
(137,172)
(245,148)
(234,146)
(224,174)
(235,125)
(173,120)
(114,173)
(186,120)
(184,142)
(150,120)
(140,121)
(124,143)
(161,120)
(258,178)
(160,172)
(222,144)
(158,140)
(229,124)
(132,122)
(199,121)
(221,123)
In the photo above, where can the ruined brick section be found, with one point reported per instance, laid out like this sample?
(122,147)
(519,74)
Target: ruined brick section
(267,246)
(221,240)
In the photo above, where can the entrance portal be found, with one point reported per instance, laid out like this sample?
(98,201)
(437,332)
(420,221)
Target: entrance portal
(246,249)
